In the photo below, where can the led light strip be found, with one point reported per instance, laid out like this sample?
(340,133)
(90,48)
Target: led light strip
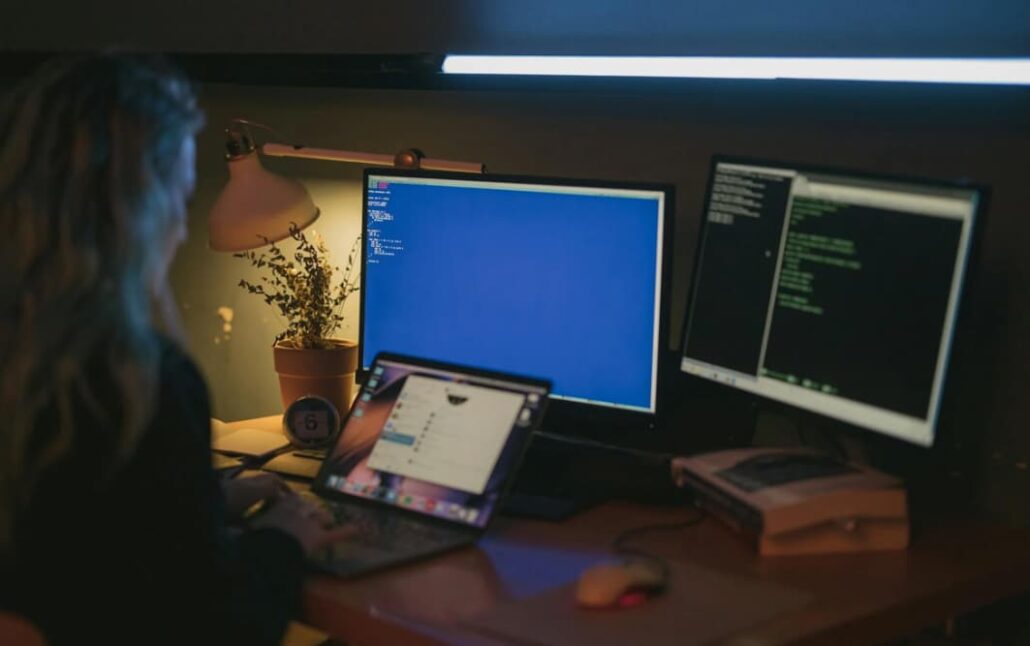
(980,71)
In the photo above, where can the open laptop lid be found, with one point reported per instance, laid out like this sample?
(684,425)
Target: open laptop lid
(435,439)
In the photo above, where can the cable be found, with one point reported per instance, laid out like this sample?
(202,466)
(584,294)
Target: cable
(255,124)
(835,448)
(620,543)
(601,445)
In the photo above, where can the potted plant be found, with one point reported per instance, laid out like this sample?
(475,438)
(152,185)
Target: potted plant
(308,359)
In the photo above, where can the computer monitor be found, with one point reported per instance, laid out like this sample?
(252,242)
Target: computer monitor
(830,291)
(556,278)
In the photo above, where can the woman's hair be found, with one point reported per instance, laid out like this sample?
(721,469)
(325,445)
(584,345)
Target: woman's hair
(90,162)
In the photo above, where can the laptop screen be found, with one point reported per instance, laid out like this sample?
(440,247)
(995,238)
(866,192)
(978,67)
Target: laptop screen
(434,439)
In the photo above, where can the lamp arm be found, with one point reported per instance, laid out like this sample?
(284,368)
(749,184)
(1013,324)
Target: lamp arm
(429,163)
(369,159)
(327,154)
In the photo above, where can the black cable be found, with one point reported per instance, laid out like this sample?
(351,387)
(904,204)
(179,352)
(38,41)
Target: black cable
(251,462)
(825,441)
(838,446)
(620,543)
(577,441)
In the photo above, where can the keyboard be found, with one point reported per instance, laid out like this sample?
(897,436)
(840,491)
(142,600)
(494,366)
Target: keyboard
(385,529)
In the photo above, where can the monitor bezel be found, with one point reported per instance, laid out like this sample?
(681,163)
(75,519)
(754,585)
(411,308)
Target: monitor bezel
(565,417)
(965,281)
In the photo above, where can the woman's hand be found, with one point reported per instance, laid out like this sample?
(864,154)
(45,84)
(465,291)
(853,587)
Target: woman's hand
(243,493)
(308,522)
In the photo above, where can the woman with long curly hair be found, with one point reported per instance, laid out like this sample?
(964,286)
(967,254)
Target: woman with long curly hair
(113,526)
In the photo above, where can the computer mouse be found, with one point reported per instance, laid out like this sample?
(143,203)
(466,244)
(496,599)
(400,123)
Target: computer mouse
(619,585)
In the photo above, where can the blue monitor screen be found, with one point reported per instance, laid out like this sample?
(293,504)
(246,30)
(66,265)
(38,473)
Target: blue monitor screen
(555,280)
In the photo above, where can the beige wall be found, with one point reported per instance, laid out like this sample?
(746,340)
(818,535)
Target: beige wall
(649,136)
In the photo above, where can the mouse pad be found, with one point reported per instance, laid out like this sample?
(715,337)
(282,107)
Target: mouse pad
(699,606)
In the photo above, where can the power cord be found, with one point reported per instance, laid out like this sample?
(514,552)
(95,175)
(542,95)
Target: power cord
(620,545)
(576,441)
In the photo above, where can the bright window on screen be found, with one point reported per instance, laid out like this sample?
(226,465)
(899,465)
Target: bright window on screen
(556,281)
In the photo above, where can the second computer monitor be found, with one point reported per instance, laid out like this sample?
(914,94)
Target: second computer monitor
(831,291)
(561,279)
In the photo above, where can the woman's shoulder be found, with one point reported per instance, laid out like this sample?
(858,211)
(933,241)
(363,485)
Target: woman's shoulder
(178,369)
(182,392)
(175,360)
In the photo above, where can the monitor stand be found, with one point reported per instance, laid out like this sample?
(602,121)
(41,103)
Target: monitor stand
(776,429)
(546,487)
(562,476)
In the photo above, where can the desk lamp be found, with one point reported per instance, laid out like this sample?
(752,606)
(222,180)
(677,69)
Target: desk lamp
(257,207)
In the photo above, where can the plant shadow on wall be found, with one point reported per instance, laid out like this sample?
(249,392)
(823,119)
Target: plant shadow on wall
(309,360)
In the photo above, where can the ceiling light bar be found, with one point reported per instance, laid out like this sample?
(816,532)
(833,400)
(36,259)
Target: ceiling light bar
(980,71)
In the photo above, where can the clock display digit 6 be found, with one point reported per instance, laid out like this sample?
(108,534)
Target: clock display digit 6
(311,422)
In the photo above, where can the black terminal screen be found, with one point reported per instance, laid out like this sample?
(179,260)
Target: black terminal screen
(831,292)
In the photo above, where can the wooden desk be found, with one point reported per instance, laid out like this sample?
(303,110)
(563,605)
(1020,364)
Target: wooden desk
(524,570)
(516,587)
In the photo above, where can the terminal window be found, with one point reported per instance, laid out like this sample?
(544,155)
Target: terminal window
(819,288)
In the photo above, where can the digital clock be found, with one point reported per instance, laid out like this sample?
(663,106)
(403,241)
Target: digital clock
(311,422)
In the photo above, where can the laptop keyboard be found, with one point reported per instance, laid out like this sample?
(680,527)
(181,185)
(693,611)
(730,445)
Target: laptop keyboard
(382,529)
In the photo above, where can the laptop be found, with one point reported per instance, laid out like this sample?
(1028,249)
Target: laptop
(423,459)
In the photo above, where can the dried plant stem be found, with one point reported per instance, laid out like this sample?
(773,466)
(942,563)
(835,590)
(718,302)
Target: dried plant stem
(300,289)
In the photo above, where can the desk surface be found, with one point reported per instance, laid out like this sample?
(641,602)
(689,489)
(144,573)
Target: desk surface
(516,586)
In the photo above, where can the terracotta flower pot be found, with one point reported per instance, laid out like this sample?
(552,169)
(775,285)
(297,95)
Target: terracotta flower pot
(327,372)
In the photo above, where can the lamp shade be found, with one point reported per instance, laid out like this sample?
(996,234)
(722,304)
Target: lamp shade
(256,205)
